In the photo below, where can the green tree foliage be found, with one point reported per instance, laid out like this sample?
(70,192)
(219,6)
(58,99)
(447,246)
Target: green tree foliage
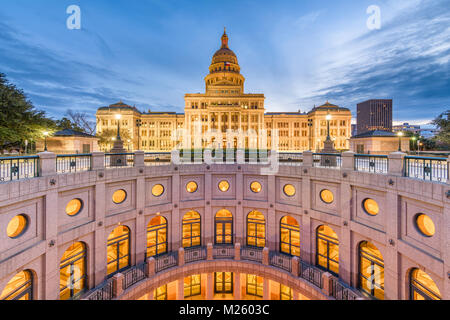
(66,123)
(442,122)
(19,120)
(106,137)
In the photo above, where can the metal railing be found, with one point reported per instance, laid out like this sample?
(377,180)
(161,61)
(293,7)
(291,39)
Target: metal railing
(194,254)
(16,168)
(166,261)
(115,160)
(424,168)
(223,252)
(157,158)
(73,163)
(311,274)
(327,160)
(133,275)
(281,261)
(251,254)
(371,163)
(103,292)
(340,291)
(293,159)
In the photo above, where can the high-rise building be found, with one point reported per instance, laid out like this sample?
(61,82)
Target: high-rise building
(374,114)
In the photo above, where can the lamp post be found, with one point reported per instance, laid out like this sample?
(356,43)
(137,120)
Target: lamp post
(310,124)
(128,144)
(414,143)
(118,117)
(400,135)
(329,117)
(45,141)
(138,125)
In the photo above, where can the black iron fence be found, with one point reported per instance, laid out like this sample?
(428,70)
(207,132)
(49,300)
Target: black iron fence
(133,275)
(166,261)
(430,169)
(281,261)
(342,292)
(194,254)
(251,254)
(371,163)
(16,168)
(311,274)
(103,292)
(223,252)
(73,163)
(157,158)
(290,158)
(327,160)
(114,160)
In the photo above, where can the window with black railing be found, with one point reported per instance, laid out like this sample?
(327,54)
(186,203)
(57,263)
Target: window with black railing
(16,168)
(371,163)
(73,163)
(425,168)
(117,160)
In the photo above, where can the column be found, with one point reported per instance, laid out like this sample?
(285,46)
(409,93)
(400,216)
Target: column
(210,286)
(237,286)
(180,289)
(52,259)
(266,295)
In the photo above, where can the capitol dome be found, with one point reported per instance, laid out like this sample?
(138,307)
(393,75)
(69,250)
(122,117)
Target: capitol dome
(224,54)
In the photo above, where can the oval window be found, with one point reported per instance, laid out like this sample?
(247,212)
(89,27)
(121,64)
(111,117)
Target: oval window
(224,186)
(327,196)
(17,226)
(256,187)
(191,187)
(425,225)
(371,207)
(74,207)
(157,190)
(119,196)
(289,190)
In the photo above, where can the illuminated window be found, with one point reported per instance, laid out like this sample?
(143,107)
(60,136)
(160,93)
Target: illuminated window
(223,282)
(17,226)
(118,250)
(191,229)
(119,196)
(20,287)
(191,187)
(423,287)
(224,186)
(256,229)
(254,285)
(289,190)
(290,236)
(371,270)
(327,251)
(192,286)
(371,207)
(286,293)
(160,293)
(74,207)
(425,225)
(157,190)
(223,227)
(72,272)
(157,237)
(256,187)
(327,196)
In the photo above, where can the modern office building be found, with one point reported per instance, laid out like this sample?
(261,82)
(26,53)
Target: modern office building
(375,114)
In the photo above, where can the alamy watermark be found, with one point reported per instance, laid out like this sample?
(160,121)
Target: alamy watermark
(374,21)
(74,20)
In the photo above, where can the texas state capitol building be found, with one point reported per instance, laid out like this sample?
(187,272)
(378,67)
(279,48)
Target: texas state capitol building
(225,106)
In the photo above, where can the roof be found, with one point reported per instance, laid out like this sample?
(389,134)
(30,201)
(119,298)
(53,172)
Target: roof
(72,133)
(329,106)
(374,134)
(119,105)
(285,113)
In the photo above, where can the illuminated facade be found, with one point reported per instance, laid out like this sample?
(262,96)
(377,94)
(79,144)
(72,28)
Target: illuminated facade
(225,106)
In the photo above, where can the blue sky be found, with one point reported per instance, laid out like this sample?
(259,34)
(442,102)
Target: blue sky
(149,53)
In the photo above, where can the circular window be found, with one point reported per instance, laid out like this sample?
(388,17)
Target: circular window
(119,196)
(256,187)
(371,207)
(17,226)
(224,186)
(157,190)
(74,207)
(425,225)
(327,196)
(289,190)
(191,187)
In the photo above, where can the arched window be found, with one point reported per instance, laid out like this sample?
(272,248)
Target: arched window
(223,227)
(327,251)
(290,236)
(20,287)
(191,229)
(157,237)
(118,250)
(256,229)
(72,272)
(371,270)
(423,287)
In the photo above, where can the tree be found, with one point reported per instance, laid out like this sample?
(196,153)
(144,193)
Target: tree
(19,120)
(65,123)
(442,122)
(106,137)
(81,121)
